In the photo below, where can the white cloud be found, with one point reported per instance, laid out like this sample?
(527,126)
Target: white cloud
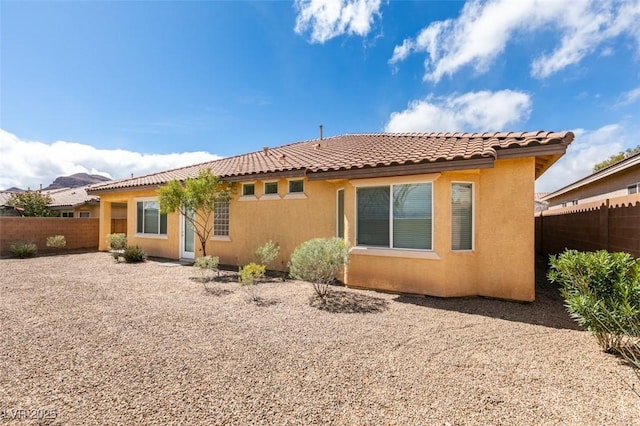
(588,149)
(484,28)
(629,97)
(326,19)
(29,163)
(473,111)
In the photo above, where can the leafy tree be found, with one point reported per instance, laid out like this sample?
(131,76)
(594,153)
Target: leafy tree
(195,199)
(616,158)
(34,203)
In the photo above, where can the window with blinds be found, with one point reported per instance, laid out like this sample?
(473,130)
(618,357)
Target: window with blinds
(461,216)
(396,216)
(149,220)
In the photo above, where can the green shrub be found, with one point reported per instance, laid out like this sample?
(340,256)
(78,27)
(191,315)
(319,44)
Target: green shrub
(23,250)
(318,262)
(56,241)
(601,292)
(250,275)
(134,254)
(207,266)
(267,253)
(117,241)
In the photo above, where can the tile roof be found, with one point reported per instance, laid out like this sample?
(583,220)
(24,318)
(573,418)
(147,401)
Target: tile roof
(70,197)
(356,151)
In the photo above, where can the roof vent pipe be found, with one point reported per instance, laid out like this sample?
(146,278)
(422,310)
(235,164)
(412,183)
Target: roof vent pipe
(265,150)
(321,132)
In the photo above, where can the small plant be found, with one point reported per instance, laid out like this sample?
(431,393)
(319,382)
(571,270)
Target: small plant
(56,241)
(207,266)
(117,241)
(250,275)
(601,292)
(267,253)
(318,262)
(134,254)
(23,250)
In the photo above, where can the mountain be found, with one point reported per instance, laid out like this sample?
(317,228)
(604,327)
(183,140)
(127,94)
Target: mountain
(73,181)
(14,189)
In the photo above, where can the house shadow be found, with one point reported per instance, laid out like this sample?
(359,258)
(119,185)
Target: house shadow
(547,310)
(343,302)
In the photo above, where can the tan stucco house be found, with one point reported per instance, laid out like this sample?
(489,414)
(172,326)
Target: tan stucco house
(616,183)
(442,214)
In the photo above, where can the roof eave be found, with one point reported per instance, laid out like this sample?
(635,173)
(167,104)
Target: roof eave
(402,170)
(594,177)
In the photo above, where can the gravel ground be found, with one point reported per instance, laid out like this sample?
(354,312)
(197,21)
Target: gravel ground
(95,342)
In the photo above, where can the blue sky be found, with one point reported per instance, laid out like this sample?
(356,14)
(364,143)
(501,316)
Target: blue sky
(121,87)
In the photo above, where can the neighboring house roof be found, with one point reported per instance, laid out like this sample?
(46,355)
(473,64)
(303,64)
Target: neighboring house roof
(71,197)
(4,197)
(618,167)
(368,155)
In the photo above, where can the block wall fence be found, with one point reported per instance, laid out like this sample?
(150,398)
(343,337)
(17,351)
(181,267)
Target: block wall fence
(80,233)
(612,225)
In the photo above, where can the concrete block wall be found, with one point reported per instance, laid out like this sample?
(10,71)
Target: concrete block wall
(80,233)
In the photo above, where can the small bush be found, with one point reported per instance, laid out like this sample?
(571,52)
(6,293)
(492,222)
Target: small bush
(56,241)
(601,292)
(134,254)
(267,253)
(207,266)
(23,250)
(318,262)
(250,275)
(117,241)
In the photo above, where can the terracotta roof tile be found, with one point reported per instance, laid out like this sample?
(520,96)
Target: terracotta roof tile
(354,151)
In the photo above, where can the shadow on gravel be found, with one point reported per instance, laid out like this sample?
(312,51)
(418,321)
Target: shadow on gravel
(342,302)
(548,309)
(265,302)
(216,291)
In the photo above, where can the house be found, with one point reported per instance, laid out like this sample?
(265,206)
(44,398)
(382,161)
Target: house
(73,202)
(617,180)
(7,209)
(442,214)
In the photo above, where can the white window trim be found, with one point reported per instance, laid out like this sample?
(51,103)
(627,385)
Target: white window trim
(337,217)
(264,187)
(84,217)
(473,217)
(395,252)
(248,197)
(385,251)
(298,195)
(150,236)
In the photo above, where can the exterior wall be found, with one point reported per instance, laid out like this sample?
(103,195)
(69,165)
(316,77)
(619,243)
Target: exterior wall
(607,187)
(502,262)
(79,233)
(254,221)
(500,265)
(161,246)
(94,211)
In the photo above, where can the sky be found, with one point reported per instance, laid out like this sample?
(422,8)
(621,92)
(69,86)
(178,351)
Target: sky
(134,87)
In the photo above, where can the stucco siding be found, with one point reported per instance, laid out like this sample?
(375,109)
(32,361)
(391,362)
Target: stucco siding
(506,231)
(501,263)
(287,221)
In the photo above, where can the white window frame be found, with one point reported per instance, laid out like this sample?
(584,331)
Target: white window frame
(86,214)
(635,187)
(243,197)
(296,195)
(391,248)
(338,216)
(67,214)
(473,217)
(275,196)
(142,234)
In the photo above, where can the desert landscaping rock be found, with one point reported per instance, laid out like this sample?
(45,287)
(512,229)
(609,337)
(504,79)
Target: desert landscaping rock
(101,342)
